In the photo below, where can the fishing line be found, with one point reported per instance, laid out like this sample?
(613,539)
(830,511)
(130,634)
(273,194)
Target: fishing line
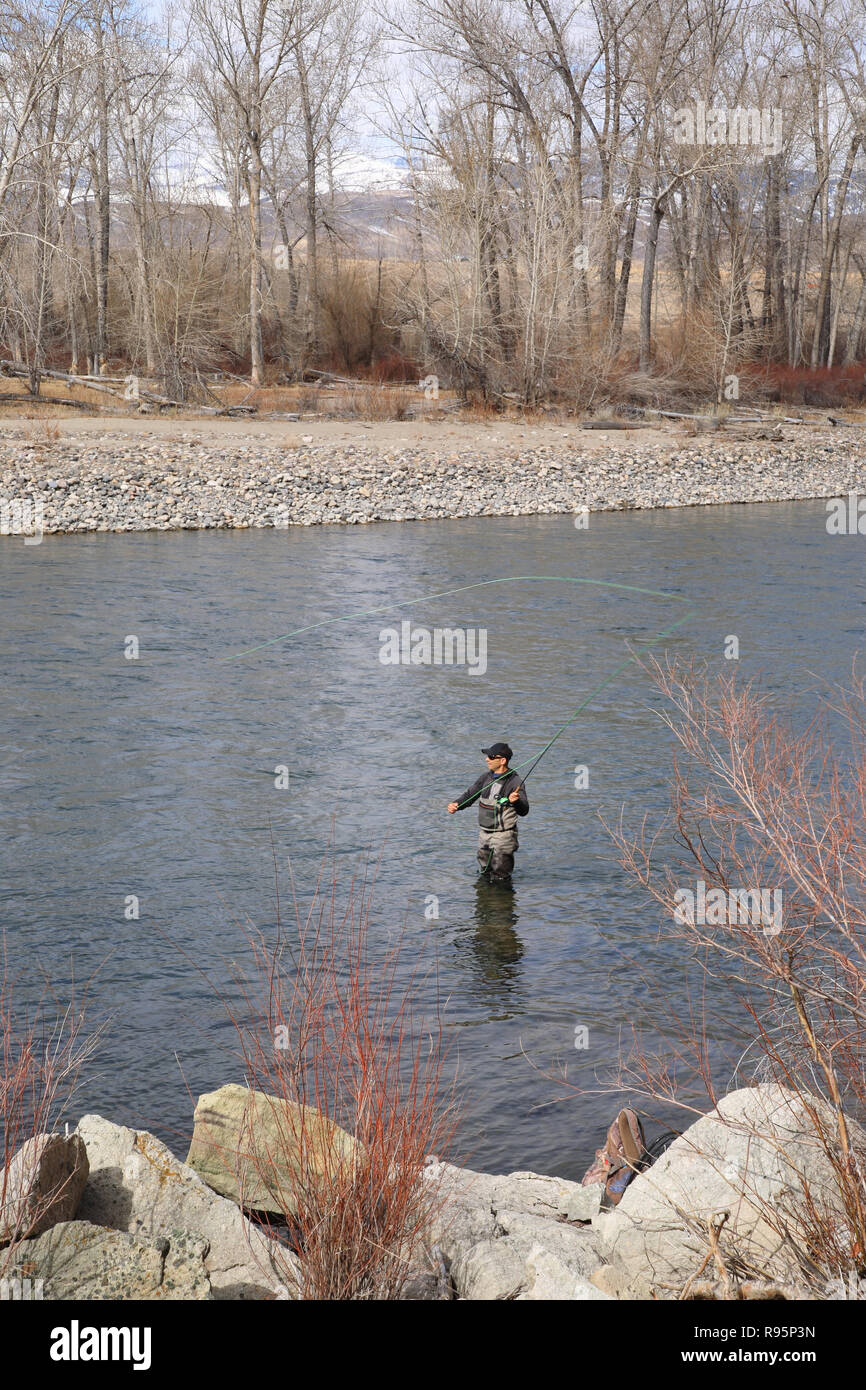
(487,583)
(446,593)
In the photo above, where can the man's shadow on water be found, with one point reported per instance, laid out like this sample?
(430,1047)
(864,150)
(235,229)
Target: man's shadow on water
(496,947)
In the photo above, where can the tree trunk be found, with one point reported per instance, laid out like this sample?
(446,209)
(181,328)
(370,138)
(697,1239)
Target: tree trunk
(821,340)
(254,188)
(103,199)
(144,287)
(625,268)
(855,332)
(834,329)
(312,332)
(646,289)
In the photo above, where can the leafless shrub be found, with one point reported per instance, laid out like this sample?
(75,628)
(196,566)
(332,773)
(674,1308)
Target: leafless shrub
(43,1052)
(332,1033)
(758,805)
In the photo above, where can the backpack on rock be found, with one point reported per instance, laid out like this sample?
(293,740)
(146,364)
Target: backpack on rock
(623,1155)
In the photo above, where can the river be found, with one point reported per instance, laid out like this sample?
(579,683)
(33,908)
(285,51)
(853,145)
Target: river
(154,776)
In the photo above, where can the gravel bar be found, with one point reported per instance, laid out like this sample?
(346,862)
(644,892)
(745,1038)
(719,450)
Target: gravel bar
(154,484)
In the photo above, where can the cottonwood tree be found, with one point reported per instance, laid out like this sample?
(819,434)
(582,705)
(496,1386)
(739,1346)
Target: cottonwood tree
(247,45)
(331,58)
(31,35)
(551,209)
(821,42)
(141,63)
(36,58)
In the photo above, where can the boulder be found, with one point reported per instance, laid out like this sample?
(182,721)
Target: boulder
(471,1200)
(510,1236)
(577,1247)
(463,1215)
(246,1145)
(42,1185)
(77,1260)
(549,1278)
(137,1185)
(508,1268)
(489,1270)
(750,1157)
(585,1204)
(610,1281)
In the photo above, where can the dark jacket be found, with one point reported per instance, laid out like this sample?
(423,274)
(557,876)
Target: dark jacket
(509,781)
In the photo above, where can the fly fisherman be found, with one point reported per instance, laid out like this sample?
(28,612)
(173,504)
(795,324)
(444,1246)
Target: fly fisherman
(501,799)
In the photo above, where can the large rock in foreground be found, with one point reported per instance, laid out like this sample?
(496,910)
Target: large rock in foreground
(137,1185)
(42,1185)
(752,1157)
(520,1236)
(76,1260)
(247,1146)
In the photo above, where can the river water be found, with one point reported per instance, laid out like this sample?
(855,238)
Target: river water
(155,776)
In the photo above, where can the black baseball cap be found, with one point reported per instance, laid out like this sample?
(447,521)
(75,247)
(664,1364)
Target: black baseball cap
(498,750)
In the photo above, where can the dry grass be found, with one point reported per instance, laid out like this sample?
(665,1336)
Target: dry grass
(591,384)
(42,434)
(376,403)
(58,396)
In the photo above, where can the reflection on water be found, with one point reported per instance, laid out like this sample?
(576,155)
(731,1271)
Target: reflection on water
(156,777)
(495,944)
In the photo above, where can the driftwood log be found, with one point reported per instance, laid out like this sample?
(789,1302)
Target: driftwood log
(26,399)
(615,425)
(151,397)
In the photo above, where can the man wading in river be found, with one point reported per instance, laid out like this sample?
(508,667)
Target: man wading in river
(501,799)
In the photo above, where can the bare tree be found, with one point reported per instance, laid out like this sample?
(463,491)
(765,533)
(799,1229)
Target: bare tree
(248,45)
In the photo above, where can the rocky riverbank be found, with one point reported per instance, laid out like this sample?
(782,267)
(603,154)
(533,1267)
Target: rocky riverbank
(152,482)
(110,1213)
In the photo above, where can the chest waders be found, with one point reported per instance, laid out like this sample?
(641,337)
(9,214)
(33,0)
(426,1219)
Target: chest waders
(497,836)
